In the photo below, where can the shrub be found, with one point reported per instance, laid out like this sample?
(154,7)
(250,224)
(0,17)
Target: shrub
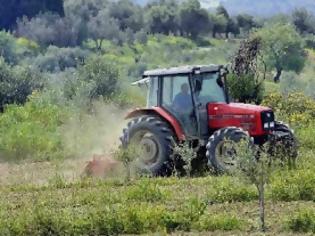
(209,222)
(296,108)
(227,189)
(102,74)
(8,47)
(46,29)
(58,59)
(16,83)
(302,221)
(246,88)
(306,135)
(31,131)
(293,186)
(187,154)
(145,191)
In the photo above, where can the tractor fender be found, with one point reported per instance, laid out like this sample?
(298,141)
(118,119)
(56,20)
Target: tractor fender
(164,115)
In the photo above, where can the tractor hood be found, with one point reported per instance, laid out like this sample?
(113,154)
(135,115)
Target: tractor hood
(235,109)
(249,117)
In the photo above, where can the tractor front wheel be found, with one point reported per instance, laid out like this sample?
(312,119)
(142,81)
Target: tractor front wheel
(284,144)
(153,138)
(222,150)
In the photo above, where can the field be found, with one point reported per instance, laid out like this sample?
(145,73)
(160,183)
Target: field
(46,199)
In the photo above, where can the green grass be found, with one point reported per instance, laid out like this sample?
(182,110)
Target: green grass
(302,221)
(149,205)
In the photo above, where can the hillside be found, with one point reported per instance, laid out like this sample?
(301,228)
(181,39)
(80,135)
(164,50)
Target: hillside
(262,8)
(266,7)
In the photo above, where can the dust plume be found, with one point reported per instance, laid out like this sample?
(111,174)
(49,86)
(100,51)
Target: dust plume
(98,132)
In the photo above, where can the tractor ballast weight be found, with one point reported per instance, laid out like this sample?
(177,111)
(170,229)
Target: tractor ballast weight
(192,104)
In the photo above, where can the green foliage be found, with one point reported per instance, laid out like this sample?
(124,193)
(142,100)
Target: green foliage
(295,108)
(219,24)
(246,22)
(282,49)
(245,88)
(59,59)
(303,221)
(145,191)
(193,19)
(102,75)
(31,131)
(128,155)
(128,14)
(16,83)
(163,18)
(8,47)
(227,189)
(303,20)
(187,154)
(208,222)
(293,186)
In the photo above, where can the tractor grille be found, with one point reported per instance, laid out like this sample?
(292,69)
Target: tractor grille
(268,120)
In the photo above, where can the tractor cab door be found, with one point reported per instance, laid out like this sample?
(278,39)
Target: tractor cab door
(177,100)
(208,88)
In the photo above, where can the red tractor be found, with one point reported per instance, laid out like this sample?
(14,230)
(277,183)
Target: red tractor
(191,104)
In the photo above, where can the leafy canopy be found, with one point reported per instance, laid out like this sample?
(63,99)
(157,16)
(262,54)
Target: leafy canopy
(282,47)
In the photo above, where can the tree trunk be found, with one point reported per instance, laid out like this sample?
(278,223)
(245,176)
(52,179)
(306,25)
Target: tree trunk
(261,190)
(276,79)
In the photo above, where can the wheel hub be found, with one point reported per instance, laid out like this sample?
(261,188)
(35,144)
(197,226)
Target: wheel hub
(226,154)
(149,149)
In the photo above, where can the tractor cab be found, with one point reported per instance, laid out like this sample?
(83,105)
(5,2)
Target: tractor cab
(184,92)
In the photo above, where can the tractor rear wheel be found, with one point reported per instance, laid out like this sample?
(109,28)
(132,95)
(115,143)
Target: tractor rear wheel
(221,148)
(155,139)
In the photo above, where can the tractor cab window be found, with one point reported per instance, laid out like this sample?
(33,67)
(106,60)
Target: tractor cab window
(177,100)
(152,99)
(209,88)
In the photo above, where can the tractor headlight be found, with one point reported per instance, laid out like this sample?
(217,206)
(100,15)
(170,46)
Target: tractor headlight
(272,124)
(266,125)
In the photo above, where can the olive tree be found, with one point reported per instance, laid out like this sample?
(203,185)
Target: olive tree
(16,83)
(102,74)
(255,167)
(283,48)
(194,20)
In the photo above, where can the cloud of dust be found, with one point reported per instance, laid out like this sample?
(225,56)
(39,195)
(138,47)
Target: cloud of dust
(84,136)
(98,133)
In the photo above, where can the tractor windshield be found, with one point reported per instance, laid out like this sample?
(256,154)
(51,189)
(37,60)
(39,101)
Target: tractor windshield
(209,88)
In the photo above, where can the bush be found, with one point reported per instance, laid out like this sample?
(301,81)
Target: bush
(16,83)
(145,191)
(8,47)
(46,29)
(227,189)
(31,131)
(209,222)
(59,59)
(293,186)
(246,88)
(102,74)
(295,108)
(302,221)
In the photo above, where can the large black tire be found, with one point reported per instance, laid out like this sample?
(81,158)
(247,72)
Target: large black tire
(155,138)
(221,157)
(284,144)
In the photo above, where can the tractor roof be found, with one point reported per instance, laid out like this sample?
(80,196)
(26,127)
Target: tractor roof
(182,70)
